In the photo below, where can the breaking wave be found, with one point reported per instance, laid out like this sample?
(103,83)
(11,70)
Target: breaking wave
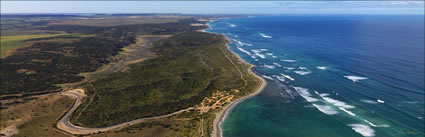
(269,66)
(287,76)
(265,36)
(244,51)
(362,129)
(326,109)
(257,52)
(267,77)
(289,68)
(232,25)
(336,102)
(303,92)
(355,78)
(322,68)
(303,72)
(288,60)
(277,64)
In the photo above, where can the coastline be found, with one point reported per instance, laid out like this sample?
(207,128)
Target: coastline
(220,116)
(65,125)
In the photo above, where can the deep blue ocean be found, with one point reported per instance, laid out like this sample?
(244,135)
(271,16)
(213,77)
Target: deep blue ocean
(330,75)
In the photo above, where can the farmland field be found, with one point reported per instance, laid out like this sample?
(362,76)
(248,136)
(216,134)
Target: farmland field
(18,41)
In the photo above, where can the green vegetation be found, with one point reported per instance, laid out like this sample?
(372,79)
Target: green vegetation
(13,42)
(40,67)
(51,63)
(186,68)
(184,125)
(189,67)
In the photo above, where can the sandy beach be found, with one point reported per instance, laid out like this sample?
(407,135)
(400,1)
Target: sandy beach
(222,114)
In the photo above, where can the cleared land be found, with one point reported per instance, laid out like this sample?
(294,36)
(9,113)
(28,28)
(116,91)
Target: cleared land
(34,117)
(117,21)
(131,54)
(9,43)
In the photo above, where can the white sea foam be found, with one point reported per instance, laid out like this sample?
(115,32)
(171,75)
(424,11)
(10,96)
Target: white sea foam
(347,111)
(369,101)
(355,78)
(269,66)
(380,101)
(288,60)
(267,77)
(322,68)
(362,129)
(232,25)
(240,43)
(302,72)
(303,92)
(321,94)
(302,68)
(287,76)
(256,60)
(260,55)
(289,68)
(373,125)
(274,57)
(243,50)
(277,64)
(248,44)
(254,57)
(270,54)
(257,52)
(337,102)
(325,109)
(265,36)
(280,78)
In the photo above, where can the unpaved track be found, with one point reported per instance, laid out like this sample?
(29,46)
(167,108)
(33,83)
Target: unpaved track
(79,94)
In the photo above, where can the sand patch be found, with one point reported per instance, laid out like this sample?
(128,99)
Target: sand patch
(217,100)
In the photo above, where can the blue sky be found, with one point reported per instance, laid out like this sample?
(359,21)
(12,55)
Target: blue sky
(216,7)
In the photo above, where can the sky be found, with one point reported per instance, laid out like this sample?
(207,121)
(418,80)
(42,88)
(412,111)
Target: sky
(216,7)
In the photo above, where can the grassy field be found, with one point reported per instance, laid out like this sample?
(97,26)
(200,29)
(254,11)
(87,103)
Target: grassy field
(36,118)
(189,67)
(115,21)
(13,42)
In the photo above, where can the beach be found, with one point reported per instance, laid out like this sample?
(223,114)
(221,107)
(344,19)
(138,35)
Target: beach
(222,114)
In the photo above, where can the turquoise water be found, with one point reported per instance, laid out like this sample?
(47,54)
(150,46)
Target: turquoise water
(330,76)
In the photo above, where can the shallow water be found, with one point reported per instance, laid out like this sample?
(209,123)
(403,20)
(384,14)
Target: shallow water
(329,76)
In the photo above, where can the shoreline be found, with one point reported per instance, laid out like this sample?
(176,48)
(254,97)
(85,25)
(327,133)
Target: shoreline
(221,116)
(65,125)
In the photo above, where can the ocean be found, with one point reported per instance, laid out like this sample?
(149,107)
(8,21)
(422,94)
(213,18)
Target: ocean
(330,75)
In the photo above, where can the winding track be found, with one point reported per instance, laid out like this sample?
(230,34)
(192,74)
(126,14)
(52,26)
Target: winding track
(79,94)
